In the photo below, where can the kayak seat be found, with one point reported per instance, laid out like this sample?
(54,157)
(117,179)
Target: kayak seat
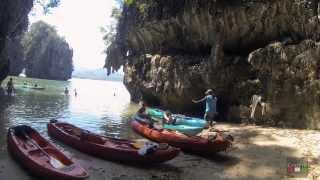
(29,147)
(37,152)
(92,138)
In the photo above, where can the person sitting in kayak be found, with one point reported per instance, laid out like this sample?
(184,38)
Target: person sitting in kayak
(10,87)
(211,106)
(142,114)
(168,119)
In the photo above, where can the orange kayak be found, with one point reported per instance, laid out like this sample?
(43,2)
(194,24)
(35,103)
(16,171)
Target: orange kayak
(193,144)
(41,157)
(108,148)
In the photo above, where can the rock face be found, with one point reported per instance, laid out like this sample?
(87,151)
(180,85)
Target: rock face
(13,21)
(48,56)
(173,50)
(291,77)
(15,53)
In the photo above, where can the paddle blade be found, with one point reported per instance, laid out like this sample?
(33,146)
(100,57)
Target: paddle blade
(56,163)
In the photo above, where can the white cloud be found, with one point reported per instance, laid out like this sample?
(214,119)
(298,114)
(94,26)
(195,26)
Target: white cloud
(79,22)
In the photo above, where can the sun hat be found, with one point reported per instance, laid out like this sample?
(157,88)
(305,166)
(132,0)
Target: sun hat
(209,91)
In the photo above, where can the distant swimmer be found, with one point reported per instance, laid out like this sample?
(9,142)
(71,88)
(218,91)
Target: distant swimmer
(66,91)
(10,87)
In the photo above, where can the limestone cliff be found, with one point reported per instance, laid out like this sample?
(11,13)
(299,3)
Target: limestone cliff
(13,21)
(48,56)
(172,50)
(15,53)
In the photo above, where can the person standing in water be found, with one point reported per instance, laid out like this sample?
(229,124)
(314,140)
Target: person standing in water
(211,106)
(10,87)
(75,92)
(66,91)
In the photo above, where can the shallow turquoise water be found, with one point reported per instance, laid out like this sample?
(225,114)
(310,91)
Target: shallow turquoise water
(100,106)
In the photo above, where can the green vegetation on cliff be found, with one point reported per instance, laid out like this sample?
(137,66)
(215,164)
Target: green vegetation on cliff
(48,56)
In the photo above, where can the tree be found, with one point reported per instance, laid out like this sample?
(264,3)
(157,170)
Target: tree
(48,4)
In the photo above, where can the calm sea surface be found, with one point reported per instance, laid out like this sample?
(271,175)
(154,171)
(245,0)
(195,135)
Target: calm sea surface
(100,106)
(103,107)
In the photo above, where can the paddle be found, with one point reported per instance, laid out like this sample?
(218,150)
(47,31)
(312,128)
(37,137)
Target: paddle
(217,130)
(53,161)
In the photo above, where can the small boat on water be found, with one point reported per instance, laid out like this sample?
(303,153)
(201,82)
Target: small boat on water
(193,144)
(33,87)
(41,157)
(109,148)
(180,119)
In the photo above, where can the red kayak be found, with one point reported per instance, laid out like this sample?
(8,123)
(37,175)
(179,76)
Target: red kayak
(108,148)
(41,157)
(193,144)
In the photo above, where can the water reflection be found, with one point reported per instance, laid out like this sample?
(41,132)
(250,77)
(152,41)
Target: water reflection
(5,103)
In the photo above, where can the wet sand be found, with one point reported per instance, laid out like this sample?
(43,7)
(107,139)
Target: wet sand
(258,153)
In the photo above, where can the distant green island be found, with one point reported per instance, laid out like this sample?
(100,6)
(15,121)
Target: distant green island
(96,74)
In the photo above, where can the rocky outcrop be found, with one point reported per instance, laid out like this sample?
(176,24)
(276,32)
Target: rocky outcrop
(174,50)
(15,53)
(13,21)
(48,56)
(173,81)
(290,75)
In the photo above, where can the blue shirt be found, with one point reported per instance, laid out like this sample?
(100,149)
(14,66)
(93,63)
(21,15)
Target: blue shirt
(211,104)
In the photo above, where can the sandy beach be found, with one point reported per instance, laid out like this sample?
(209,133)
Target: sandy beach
(258,153)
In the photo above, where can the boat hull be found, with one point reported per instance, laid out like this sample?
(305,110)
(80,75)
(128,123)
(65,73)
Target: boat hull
(113,149)
(180,119)
(37,164)
(189,130)
(192,144)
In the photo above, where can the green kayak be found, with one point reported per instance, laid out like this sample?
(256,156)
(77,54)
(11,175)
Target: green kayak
(189,130)
(180,119)
(155,113)
(33,87)
(185,129)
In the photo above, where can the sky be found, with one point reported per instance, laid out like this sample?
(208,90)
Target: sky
(79,22)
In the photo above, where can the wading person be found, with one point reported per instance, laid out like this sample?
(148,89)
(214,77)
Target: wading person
(211,106)
(66,91)
(10,87)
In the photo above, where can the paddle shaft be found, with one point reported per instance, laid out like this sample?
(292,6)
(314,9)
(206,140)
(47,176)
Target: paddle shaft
(34,143)
(216,130)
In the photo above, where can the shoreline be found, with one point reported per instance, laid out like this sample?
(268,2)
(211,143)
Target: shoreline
(258,153)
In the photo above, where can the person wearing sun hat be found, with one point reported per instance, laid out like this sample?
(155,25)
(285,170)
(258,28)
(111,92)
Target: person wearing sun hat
(211,106)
